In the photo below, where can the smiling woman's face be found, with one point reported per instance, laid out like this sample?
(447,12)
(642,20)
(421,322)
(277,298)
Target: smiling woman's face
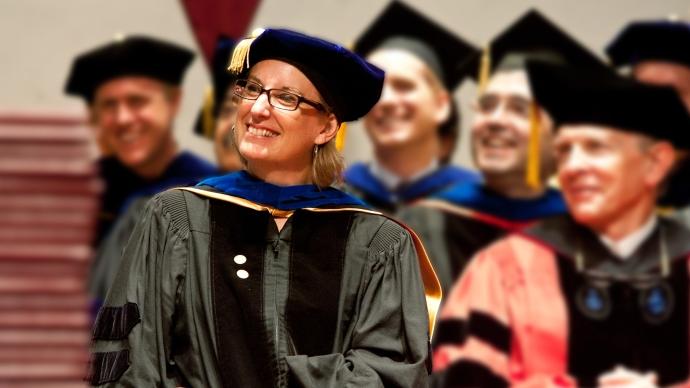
(271,138)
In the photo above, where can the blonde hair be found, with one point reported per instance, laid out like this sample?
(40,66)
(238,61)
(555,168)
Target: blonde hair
(327,165)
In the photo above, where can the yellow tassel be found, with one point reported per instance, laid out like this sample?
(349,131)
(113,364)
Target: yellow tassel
(665,211)
(340,137)
(532,176)
(207,119)
(240,55)
(484,69)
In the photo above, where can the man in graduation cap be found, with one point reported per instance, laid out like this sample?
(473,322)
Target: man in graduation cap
(132,88)
(414,126)
(658,52)
(511,146)
(598,296)
(215,120)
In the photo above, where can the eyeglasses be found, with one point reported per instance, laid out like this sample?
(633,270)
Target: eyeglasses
(277,98)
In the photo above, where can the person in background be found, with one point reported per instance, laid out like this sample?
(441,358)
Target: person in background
(597,297)
(217,116)
(132,89)
(511,141)
(215,120)
(656,52)
(414,126)
(217,286)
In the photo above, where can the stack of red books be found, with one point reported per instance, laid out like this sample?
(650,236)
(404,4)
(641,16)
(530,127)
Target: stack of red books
(49,198)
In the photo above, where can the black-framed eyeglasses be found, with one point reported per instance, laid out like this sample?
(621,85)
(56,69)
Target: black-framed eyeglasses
(277,98)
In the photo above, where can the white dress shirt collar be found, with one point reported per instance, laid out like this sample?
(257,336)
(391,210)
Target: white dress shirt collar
(625,247)
(391,181)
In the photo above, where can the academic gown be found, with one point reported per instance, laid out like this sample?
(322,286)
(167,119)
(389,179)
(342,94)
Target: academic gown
(527,316)
(109,253)
(363,184)
(122,185)
(458,222)
(211,294)
(123,203)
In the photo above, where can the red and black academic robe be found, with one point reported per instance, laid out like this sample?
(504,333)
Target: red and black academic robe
(526,313)
(455,224)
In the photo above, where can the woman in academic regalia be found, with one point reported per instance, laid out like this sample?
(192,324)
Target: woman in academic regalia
(270,277)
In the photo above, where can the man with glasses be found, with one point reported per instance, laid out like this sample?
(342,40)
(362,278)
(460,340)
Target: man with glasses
(511,147)
(598,297)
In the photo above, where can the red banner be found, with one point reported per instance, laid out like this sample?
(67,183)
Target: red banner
(210,18)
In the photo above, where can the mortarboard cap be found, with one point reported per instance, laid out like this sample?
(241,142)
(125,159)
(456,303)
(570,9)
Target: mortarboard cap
(532,36)
(651,40)
(221,79)
(349,85)
(134,55)
(657,40)
(400,26)
(608,99)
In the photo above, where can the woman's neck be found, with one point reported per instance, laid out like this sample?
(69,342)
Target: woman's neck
(280,175)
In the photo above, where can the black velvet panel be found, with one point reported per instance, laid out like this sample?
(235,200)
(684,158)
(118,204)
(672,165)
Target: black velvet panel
(625,337)
(316,268)
(466,373)
(489,330)
(450,332)
(244,358)
(429,361)
(465,237)
(108,367)
(115,323)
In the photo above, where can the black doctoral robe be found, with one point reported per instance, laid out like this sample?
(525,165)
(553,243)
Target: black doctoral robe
(211,294)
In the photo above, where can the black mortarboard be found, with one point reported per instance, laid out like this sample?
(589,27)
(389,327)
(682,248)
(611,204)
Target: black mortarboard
(532,36)
(578,96)
(134,55)
(349,84)
(400,26)
(651,40)
(221,78)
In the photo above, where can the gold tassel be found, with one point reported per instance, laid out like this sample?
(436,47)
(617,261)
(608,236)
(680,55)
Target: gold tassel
(340,137)
(207,120)
(665,211)
(484,69)
(532,177)
(240,55)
